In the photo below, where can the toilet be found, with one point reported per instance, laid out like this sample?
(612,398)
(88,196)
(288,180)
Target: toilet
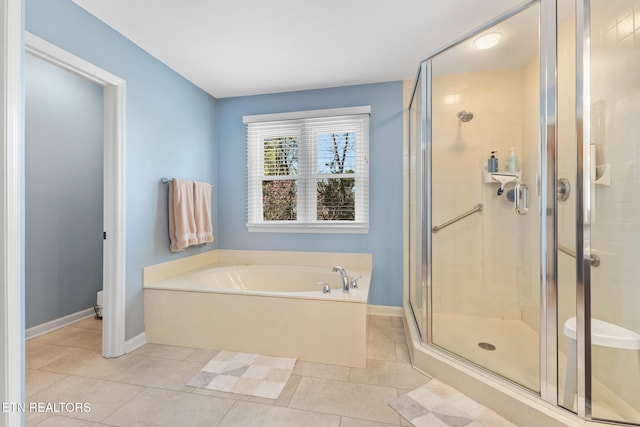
(98,307)
(603,334)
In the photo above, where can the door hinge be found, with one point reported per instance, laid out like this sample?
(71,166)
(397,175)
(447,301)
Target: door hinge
(104,235)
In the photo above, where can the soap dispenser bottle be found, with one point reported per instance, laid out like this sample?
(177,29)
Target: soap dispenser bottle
(512,161)
(492,163)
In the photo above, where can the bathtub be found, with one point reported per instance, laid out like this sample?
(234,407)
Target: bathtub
(273,309)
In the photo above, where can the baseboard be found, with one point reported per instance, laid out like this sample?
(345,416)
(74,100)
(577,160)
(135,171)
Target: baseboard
(36,331)
(384,310)
(135,342)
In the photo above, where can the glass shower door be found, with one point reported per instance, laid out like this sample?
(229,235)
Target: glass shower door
(612,162)
(485,263)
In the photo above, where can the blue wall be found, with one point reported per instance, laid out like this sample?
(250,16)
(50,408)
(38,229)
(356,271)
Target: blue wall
(384,239)
(171,131)
(176,129)
(63,192)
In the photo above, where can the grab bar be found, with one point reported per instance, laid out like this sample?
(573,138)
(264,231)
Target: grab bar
(595,259)
(476,208)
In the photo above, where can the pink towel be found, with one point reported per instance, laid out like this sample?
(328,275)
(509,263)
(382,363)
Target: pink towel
(202,212)
(182,224)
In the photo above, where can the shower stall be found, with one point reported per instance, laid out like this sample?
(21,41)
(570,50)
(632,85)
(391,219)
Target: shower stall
(523,173)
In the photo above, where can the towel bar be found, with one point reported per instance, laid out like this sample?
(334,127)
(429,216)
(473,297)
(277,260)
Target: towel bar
(164,180)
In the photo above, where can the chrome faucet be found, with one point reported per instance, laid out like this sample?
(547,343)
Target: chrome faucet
(343,275)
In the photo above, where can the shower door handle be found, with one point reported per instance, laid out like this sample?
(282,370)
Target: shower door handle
(521,199)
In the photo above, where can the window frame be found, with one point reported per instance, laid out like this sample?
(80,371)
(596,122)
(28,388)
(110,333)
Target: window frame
(307,125)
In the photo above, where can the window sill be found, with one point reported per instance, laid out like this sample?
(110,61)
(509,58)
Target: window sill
(338,228)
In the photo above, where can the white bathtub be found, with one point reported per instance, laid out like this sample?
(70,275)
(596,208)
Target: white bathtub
(274,310)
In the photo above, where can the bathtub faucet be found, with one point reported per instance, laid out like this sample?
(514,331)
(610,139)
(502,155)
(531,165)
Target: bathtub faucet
(343,275)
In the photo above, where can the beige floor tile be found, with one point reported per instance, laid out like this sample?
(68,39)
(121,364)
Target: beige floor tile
(405,423)
(37,380)
(388,374)
(59,335)
(346,399)
(381,350)
(90,363)
(202,355)
(253,415)
(402,353)
(320,370)
(161,373)
(379,321)
(282,400)
(89,323)
(153,407)
(103,396)
(39,354)
(396,322)
(90,339)
(58,421)
(353,422)
(395,335)
(70,368)
(35,418)
(164,351)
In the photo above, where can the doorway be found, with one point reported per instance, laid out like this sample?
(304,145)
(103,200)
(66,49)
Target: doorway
(113,91)
(63,195)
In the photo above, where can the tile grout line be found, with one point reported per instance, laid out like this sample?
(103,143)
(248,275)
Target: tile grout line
(226,414)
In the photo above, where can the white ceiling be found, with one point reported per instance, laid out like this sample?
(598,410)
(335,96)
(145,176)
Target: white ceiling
(247,47)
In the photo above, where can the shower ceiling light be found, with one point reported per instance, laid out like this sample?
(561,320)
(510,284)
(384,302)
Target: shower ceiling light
(487,41)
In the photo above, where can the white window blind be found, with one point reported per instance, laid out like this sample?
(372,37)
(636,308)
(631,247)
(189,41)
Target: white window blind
(309,173)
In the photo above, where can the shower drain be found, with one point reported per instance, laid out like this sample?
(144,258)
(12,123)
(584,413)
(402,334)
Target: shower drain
(486,346)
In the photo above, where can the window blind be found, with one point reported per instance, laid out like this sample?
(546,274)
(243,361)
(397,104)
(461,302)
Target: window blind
(308,173)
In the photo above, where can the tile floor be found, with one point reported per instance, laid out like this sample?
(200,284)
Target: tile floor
(147,387)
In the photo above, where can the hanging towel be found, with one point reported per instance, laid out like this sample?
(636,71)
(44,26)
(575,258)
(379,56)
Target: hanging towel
(182,225)
(202,212)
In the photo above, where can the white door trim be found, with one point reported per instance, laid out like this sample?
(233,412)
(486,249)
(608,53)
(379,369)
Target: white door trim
(113,337)
(11,300)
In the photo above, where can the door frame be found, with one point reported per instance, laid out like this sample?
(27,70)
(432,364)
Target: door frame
(113,336)
(11,128)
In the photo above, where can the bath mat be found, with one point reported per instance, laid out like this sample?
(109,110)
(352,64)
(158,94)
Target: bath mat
(437,405)
(244,373)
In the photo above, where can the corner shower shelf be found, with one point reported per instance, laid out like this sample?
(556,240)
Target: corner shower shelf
(488,176)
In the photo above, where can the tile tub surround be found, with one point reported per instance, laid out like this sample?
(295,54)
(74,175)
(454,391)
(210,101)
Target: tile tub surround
(309,326)
(146,387)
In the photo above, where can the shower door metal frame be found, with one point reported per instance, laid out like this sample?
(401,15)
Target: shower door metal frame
(547,172)
(583,209)
(547,187)
(423,183)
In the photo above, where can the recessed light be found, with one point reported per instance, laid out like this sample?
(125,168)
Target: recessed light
(487,41)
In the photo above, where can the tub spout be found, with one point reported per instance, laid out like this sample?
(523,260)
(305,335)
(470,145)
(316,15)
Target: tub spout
(343,275)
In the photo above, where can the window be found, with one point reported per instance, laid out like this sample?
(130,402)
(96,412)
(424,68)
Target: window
(309,171)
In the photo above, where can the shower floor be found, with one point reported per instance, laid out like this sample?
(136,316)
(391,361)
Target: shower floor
(516,351)
(516,357)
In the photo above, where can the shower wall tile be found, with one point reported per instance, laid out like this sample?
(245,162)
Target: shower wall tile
(615,237)
(480,266)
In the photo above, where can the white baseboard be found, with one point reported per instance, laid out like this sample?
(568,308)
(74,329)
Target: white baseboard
(36,331)
(135,342)
(384,310)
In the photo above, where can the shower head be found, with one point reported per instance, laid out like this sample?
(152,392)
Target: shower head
(465,116)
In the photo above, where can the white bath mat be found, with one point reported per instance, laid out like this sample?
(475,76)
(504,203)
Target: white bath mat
(244,373)
(437,404)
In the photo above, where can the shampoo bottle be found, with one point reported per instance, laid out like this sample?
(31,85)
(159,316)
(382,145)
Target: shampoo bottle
(492,163)
(512,161)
